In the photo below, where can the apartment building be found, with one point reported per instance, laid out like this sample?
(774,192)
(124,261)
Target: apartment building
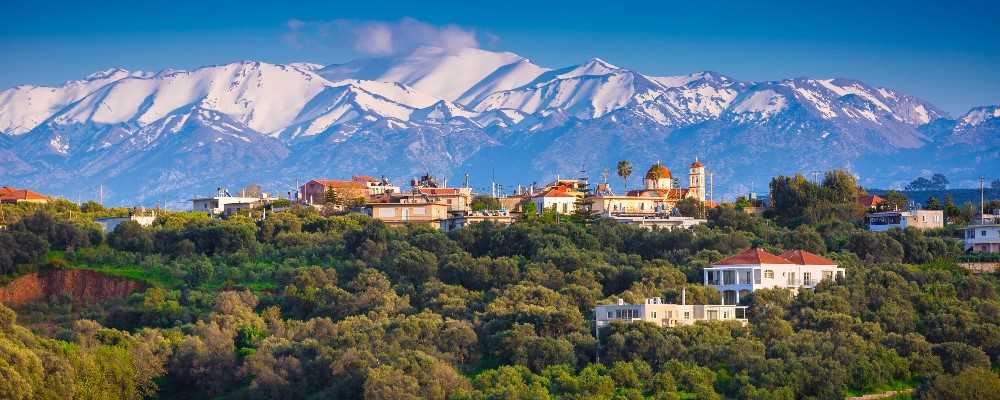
(667,315)
(919,219)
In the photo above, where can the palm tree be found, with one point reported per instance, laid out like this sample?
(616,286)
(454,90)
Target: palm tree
(624,171)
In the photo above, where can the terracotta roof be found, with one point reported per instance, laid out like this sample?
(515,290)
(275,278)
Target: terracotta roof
(658,171)
(363,179)
(803,257)
(340,184)
(697,164)
(870,201)
(558,191)
(753,256)
(9,193)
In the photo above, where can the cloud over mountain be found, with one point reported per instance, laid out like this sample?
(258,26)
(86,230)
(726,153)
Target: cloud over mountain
(380,38)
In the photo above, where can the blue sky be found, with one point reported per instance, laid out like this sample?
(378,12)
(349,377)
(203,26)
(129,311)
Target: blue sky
(945,52)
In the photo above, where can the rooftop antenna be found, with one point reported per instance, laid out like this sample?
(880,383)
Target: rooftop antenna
(466,183)
(604,175)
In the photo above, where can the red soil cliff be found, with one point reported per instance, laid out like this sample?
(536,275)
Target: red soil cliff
(80,285)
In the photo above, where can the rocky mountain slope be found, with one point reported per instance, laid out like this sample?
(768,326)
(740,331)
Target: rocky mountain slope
(165,136)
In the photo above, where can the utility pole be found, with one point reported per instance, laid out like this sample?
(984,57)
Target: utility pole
(982,200)
(711,184)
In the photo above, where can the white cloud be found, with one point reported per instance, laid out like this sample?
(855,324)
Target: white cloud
(379,37)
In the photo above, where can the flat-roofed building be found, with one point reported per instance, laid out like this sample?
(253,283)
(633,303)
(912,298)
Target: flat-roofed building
(738,276)
(433,214)
(983,236)
(919,219)
(497,217)
(667,315)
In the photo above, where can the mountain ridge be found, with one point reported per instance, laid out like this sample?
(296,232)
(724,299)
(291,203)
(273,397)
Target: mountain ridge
(446,112)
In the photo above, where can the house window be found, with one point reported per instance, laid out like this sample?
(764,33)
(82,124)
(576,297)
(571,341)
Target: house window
(687,315)
(756,276)
(747,277)
(610,315)
(807,278)
(791,279)
(618,314)
(654,314)
(728,277)
(827,275)
(768,274)
(982,233)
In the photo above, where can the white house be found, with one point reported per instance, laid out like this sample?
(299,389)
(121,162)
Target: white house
(755,268)
(216,205)
(668,315)
(558,198)
(983,237)
(920,219)
(140,216)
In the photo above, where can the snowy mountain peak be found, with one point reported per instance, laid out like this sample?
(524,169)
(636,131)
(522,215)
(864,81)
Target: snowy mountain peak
(108,73)
(979,115)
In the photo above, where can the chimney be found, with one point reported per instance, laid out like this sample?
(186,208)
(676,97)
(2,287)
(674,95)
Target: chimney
(621,302)
(684,296)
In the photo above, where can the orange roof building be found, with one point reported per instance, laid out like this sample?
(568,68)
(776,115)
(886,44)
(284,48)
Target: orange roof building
(802,257)
(739,275)
(10,195)
(870,201)
(753,256)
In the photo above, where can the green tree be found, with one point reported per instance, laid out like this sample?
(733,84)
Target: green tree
(690,207)
(970,384)
(130,236)
(624,169)
(482,202)
(894,201)
(933,204)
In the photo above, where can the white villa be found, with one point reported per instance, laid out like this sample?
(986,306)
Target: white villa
(755,268)
(667,315)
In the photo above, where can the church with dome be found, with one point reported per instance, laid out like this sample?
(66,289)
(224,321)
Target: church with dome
(659,194)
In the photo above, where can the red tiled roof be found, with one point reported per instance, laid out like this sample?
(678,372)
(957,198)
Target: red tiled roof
(870,201)
(697,164)
(803,257)
(558,191)
(753,256)
(363,179)
(340,184)
(9,193)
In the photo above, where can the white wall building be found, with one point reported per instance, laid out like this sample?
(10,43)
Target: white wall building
(982,238)
(920,219)
(667,315)
(558,198)
(738,276)
(142,217)
(217,204)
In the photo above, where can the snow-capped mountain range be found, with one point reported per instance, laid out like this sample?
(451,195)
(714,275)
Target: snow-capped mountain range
(493,115)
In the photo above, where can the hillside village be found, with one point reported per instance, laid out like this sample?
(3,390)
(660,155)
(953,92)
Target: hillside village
(660,202)
(565,275)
